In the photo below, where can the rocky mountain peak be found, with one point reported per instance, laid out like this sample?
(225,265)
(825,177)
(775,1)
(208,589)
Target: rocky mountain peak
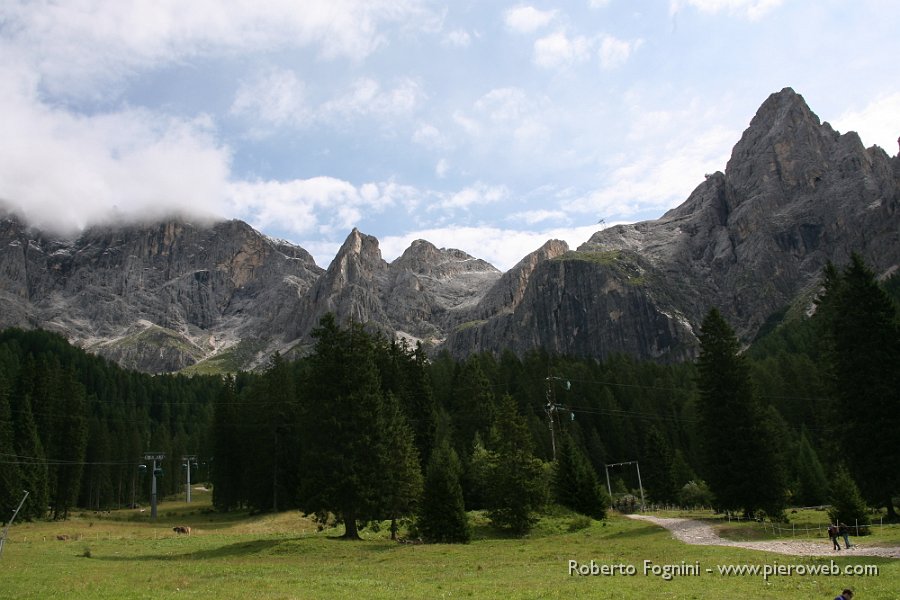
(506,295)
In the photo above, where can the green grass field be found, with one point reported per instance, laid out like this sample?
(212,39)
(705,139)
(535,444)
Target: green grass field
(124,555)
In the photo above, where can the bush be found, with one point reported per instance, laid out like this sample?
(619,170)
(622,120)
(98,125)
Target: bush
(695,494)
(847,504)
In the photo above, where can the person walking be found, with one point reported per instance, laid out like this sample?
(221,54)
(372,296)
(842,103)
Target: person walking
(844,531)
(833,534)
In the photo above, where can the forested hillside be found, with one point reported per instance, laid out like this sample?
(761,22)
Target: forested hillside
(74,426)
(352,429)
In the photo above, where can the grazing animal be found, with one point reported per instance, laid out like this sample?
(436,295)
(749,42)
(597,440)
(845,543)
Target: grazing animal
(182,529)
(62,537)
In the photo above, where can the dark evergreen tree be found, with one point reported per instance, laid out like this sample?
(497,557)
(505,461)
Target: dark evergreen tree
(576,483)
(228,468)
(741,466)
(403,472)
(656,463)
(517,486)
(864,339)
(681,471)
(10,485)
(812,484)
(847,504)
(442,516)
(344,448)
(33,467)
(70,435)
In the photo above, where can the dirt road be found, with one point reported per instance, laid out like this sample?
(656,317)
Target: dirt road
(691,531)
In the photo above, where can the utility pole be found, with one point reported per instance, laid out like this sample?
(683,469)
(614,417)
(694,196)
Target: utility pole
(188,459)
(552,407)
(8,525)
(154,456)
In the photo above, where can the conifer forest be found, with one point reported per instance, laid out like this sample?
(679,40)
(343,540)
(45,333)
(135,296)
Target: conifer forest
(366,429)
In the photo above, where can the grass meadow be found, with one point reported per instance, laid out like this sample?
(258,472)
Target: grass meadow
(237,556)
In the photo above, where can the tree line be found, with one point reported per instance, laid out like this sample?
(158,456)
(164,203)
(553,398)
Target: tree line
(366,429)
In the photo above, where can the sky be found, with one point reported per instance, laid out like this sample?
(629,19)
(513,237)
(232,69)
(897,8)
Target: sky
(484,125)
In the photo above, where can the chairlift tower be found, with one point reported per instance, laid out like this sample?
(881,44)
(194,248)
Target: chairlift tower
(189,461)
(153,457)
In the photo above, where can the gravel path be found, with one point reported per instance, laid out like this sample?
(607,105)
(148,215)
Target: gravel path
(691,531)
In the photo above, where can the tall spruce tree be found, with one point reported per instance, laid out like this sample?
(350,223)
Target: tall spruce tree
(344,452)
(864,341)
(70,435)
(10,484)
(812,484)
(228,468)
(442,516)
(656,460)
(517,486)
(576,483)
(403,472)
(34,476)
(741,466)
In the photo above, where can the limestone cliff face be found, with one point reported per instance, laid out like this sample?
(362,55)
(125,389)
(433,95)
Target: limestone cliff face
(795,194)
(157,297)
(431,290)
(419,295)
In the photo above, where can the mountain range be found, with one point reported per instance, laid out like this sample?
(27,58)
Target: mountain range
(212,297)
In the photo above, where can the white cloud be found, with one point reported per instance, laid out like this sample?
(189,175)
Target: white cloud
(876,123)
(503,104)
(81,47)
(304,206)
(752,9)
(615,52)
(66,170)
(657,177)
(429,136)
(527,19)
(503,248)
(599,3)
(367,98)
(479,193)
(459,38)
(531,217)
(278,98)
(558,50)
(442,168)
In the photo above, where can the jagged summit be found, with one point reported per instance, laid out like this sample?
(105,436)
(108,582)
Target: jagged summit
(749,240)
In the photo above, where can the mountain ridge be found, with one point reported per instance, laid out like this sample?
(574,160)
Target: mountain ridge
(750,240)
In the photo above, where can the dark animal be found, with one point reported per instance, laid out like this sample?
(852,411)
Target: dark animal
(182,529)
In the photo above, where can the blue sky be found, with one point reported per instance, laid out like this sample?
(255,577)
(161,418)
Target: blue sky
(483,125)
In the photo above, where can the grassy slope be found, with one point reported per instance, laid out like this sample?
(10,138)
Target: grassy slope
(284,556)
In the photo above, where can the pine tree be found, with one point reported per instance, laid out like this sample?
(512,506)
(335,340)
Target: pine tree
(442,516)
(656,460)
(812,485)
(741,466)
(71,439)
(33,470)
(576,483)
(228,468)
(344,447)
(10,485)
(847,504)
(518,487)
(402,471)
(864,339)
